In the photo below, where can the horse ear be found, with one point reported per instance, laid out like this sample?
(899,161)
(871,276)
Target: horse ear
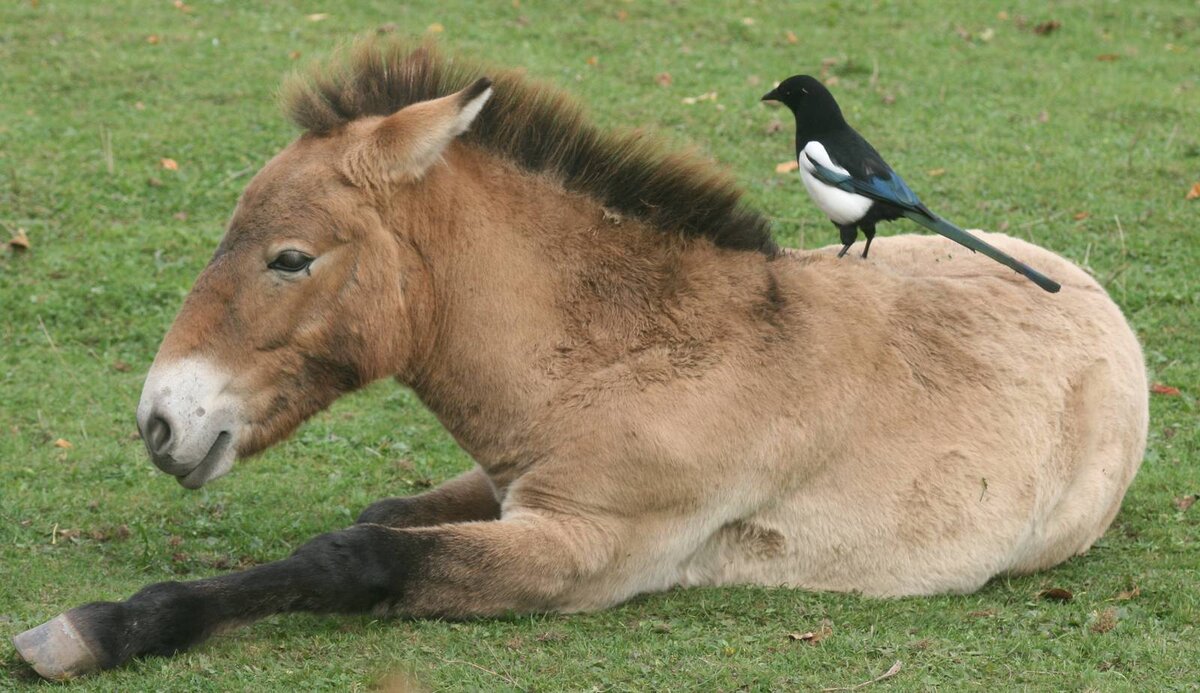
(404,145)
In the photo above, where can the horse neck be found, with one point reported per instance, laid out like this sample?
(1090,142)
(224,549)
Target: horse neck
(534,288)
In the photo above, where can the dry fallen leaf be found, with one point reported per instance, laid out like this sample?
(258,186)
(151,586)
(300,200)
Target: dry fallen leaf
(748,21)
(792,38)
(435,28)
(182,6)
(1107,57)
(1166,390)
(1047,27)
(1056,594)
(1126,595)
(121,367)
(152,39)
(935,172)
(1194,192)
(707,96)
(317,17)
(663,79)
(813,637)
(622,15)
(1080,216)
(63,443)
(593,60)
(170,164)
(1182,503)
(787,166)
(294,55)
(1104,621)
(19,241)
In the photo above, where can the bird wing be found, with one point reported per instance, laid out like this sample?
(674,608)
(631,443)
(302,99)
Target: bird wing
(894,191)
(880,185)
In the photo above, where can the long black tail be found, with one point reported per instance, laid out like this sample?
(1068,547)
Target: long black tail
(939,225)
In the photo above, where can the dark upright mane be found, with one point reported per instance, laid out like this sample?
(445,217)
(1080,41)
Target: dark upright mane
(538,128)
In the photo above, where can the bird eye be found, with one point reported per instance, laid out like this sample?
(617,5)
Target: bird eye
(290,261)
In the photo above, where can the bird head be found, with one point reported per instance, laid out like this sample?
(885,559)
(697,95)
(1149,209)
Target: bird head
(808,99)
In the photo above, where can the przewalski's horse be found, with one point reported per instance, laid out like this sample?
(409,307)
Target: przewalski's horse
(654,393)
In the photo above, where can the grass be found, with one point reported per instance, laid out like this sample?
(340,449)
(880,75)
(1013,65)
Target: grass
(1083,139)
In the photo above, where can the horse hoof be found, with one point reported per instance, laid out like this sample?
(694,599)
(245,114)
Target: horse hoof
(56,650)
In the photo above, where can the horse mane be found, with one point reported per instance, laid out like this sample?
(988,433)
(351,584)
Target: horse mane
(537,127)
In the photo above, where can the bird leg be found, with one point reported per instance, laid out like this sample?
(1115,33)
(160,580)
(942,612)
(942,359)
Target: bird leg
(849,234)
(869,232)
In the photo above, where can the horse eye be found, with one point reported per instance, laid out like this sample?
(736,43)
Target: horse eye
(290,261)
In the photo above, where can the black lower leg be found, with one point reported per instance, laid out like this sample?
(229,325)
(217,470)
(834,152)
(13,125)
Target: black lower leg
(348,571)
(869,232)
(848,234)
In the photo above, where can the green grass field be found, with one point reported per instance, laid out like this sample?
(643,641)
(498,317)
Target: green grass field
(1084,138)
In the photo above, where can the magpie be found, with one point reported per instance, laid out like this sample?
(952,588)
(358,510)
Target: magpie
(852,183)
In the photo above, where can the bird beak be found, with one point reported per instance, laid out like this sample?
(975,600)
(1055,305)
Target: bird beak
(771,95)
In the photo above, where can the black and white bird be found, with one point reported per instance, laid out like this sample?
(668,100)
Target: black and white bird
(852,183)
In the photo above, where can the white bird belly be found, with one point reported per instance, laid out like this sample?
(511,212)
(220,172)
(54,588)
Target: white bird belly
(840,206)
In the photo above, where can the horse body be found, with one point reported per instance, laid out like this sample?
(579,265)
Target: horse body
(647,407)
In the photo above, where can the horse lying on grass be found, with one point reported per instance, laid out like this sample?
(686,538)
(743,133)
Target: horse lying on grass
(655,394)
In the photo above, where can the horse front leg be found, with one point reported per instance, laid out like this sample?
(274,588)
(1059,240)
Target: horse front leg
(474,569)
(468,497)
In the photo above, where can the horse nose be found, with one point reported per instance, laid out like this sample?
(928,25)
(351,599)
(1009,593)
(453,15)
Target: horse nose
(157,435)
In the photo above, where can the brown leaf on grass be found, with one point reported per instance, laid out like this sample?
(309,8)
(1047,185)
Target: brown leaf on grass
(152,39)
(121,367)
(935,172)
(622,15)
(1080,216)
(63,443)
(787,166)
(1194,191)
(435,28)
(1048,27)
(1107,57)
(1056,594)
(182,6)
(19,241)
(317,17)
(294,55)
(175,540)
(169,164)
(792,38)
(1182,503)
(593,60)
(813,637)
(895,669)
(663,79)
(1104,621)
(1126,595)
(1165,390)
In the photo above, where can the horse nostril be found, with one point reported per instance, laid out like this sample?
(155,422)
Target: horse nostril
(158,435)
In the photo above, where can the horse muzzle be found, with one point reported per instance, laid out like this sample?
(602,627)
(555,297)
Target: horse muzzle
(189,420)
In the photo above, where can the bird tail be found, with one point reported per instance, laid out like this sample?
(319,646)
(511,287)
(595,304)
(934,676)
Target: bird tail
(937,224)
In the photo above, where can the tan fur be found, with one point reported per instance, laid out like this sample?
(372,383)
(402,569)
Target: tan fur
(651,409)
